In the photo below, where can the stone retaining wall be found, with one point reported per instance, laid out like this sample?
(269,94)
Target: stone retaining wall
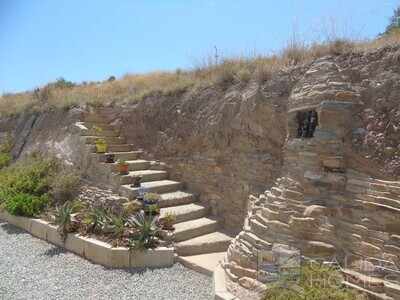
(226,179)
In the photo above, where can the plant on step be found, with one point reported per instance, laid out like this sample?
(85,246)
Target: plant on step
(145,229)
(67,217)
(137,180)
(110,157)
(95,219)
(95,129)
(150,201)
(168,221)
(101,145)
(317,281)
(26,204)
(122,166)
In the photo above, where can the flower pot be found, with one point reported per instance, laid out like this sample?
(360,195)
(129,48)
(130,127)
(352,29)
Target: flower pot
(151,205)
(101,148)
(141,193)
(168,224)
(122,169)
(110,157)
(137,181)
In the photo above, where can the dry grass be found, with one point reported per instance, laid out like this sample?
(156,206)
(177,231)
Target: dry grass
(129,89)
(134,88)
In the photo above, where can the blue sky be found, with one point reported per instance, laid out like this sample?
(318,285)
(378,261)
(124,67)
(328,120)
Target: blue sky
(41,40)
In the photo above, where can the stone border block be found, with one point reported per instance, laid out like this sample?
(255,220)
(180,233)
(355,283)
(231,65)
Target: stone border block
(75,244)
(220,292)
(39,228)
(96,251)
(160,257)
(391,289)
(53,236)
(119,257)
(4,215)
(21,222)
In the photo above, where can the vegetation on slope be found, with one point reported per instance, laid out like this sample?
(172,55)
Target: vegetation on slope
(317,281)
(64,94)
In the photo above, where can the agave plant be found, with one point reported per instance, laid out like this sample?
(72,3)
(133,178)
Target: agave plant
(116,222)
(96,218)
(145,230)
(67,218)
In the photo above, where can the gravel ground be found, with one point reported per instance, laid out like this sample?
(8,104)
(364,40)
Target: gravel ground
(239,292)
(34,269)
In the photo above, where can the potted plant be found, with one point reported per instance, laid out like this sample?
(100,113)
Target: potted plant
(122,166)
(101,145)
(110,157)
(95,129)
(168,221)
(141,193)
(137,180)
(150,201)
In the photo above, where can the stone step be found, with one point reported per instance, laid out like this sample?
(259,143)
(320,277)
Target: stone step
(194,228)
(187,212)
(389,202)
(118,148)
(107,133)
(276,191)
(100,118)
(369,283)
(147,175)
(110,127)
(110,140)
(369,294)
(128,155)
(134,165)
(177,198)
(104,110)
(204,263)
(162,186)
(213,242)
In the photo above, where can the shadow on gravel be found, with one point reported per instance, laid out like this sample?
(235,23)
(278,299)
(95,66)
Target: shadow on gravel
(142,271)
(9,229)
(54,251)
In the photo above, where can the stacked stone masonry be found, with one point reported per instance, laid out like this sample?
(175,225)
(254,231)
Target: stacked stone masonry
(319,205)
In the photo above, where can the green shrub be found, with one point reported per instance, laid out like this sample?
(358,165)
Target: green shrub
(317,281)
(5,159)
(33,175)
(26,205)
(66,185)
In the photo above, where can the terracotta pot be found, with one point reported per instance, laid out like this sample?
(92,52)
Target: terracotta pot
(168,224)
(122,169)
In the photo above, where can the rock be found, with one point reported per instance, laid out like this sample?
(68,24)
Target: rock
(320,249)
(252,284)
(390,150)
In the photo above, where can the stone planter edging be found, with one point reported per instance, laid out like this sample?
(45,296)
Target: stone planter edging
(220,291)
(97,251)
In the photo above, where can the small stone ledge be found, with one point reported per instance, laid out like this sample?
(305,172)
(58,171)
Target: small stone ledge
(94,250)
(220,291)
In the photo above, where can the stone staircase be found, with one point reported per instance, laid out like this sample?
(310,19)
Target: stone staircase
(197,231)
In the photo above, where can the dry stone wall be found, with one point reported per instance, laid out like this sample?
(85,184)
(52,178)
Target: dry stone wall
(321,206)
(223,144)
